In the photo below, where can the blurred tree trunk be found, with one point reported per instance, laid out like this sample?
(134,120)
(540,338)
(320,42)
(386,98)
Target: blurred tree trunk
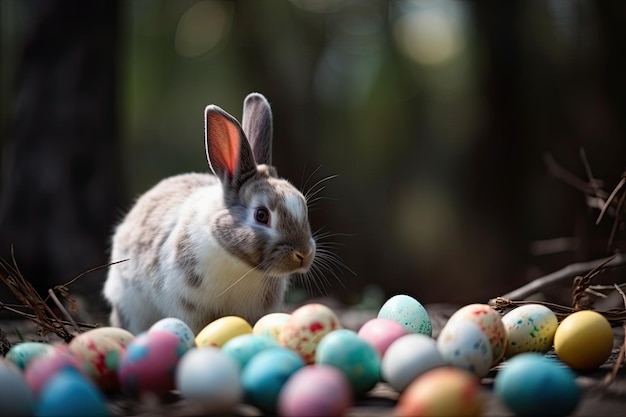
(60,174)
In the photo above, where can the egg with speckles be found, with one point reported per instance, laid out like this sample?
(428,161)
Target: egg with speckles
(270,325)
(409,312)
(22,353)
(463,344)
(489,322)
(100,354)
(177,327)
(306,327)
(529,328)
(149,363)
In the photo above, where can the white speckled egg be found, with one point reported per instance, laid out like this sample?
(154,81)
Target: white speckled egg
(463,344)
(270,325)
(306,326)
(100,354)
(529,328)
(177,327)
(409,312)
(122,336)
(489,322)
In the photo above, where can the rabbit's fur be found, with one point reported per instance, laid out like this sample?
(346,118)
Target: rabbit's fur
(196,245)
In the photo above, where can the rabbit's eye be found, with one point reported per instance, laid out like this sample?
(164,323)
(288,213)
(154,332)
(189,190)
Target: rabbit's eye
(262,215)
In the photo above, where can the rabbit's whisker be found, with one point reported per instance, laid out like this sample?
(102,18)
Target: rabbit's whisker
(236,282)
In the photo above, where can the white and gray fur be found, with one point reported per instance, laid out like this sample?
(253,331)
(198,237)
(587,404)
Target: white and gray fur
(193,247)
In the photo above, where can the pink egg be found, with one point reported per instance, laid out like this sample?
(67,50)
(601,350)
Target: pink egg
(42,368)
(149,363)
(380,333)
(315,390)
(306,326)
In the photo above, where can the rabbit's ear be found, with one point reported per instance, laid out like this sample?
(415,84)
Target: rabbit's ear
(257,125)
(228,152)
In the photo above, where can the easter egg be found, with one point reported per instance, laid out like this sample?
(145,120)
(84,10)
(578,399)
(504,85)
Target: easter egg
(408,312)
(380,333)
(16,398)
(357,359)
(489,322)
(222,330)
(584,340)
(149,363)
(177,327)
(22,353)
(462,344)
(529,328)
(531,384)
(121,336)
(264,376)
(69,393)
(270,325)
(210,378)
(408,357)
(243,347)
(443,391)
(315,390)
(41,369)
(306,326)
(100,355)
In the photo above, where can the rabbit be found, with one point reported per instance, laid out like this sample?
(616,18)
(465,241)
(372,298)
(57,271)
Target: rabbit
(201,246)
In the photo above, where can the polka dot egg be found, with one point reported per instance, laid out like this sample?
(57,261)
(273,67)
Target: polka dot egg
(529,328)
(409,312)
(306,327)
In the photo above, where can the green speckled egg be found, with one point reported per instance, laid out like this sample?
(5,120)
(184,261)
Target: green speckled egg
(529,328)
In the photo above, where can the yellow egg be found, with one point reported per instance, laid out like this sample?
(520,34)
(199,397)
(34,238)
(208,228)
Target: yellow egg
(584,340)
(444,391)
(270,325)
(222,330)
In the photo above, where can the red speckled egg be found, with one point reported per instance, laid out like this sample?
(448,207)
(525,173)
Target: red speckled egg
(315,390)
(306,326)
(101,355)
(149,363)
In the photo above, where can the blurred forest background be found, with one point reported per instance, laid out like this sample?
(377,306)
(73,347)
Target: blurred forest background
(436,115)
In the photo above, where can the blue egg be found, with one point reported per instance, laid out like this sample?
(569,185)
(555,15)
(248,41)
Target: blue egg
(70,394)
(531,384)
(357,359)
(409,312)
(265,374)
(243,347)
(177,327)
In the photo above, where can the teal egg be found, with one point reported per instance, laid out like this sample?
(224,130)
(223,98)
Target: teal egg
(177,327)
(409,312)
(531,384)
(265,374)
(69,393)
(22,353)
(243,347)
(357,359)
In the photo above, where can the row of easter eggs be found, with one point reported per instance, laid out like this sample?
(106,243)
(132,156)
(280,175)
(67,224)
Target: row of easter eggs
(301,363)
